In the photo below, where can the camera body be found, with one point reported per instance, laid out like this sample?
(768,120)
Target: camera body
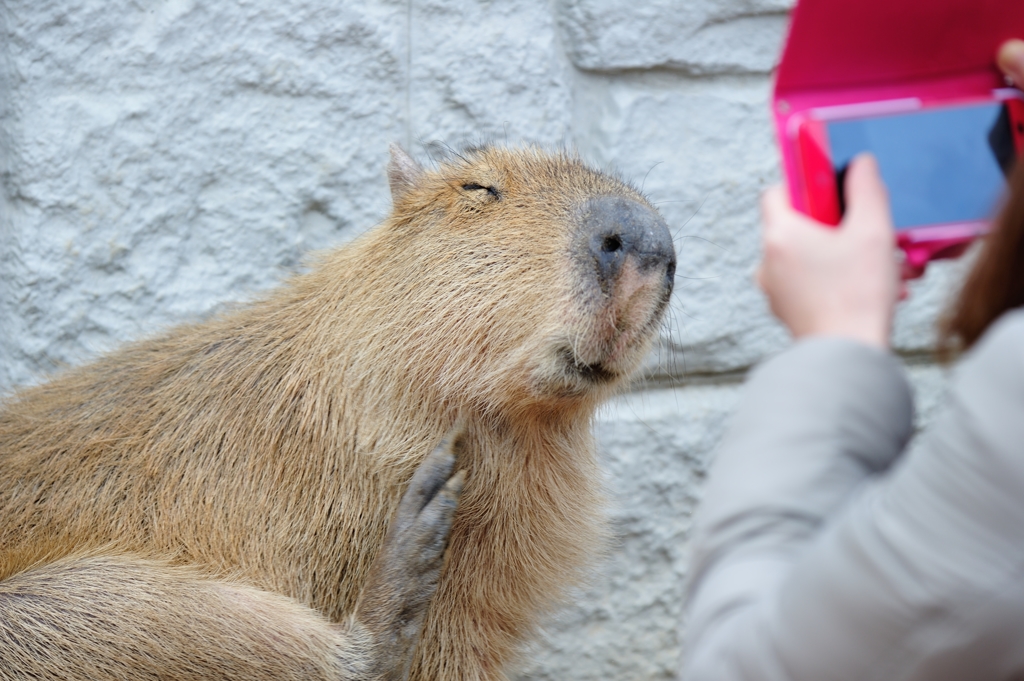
(944,162)
(914,83)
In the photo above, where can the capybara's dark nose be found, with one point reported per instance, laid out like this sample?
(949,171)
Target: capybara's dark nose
(617,229)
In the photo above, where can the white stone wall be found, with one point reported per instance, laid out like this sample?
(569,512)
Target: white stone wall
(162,158)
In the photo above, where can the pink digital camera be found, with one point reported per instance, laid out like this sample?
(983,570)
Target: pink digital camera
(914,83)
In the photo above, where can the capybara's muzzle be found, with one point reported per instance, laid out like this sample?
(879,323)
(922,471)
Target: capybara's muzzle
(618,229)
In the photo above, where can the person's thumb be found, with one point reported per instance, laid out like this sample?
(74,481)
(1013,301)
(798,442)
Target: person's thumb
(867,200)
(1011,60)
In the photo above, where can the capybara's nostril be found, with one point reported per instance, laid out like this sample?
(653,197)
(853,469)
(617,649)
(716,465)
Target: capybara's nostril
(611,243)
(617,228)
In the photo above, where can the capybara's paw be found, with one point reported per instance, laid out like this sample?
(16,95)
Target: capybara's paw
(414,548)
(421,527)
(406,572)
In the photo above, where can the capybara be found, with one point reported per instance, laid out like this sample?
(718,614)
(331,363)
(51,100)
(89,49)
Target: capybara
(213,502)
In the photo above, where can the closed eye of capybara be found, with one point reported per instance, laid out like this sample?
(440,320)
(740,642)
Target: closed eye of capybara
(213,501)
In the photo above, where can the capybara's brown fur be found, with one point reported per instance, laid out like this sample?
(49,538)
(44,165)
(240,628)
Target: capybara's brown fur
(265,451)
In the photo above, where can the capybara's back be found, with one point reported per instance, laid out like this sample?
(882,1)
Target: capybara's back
(264,453)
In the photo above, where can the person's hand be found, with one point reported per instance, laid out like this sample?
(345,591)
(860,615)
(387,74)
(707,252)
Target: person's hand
(833,281)
(1011,60)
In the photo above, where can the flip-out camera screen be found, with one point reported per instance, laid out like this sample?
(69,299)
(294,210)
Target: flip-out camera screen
(941,166)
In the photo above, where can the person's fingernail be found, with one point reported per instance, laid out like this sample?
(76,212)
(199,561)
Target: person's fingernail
(866,158)
(1011,57)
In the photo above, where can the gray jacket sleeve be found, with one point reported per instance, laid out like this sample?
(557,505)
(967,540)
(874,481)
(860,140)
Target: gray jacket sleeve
(821,553)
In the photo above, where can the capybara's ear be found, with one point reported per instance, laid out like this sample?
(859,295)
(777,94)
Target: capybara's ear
(403,171)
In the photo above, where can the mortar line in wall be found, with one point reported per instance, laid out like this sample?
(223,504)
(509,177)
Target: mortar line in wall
(408,76)
(663,381)
(911,358)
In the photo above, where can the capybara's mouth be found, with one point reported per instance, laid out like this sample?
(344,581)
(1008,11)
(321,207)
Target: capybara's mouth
(595,373)
(612,342)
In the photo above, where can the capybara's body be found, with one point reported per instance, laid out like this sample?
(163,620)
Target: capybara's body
(269,447)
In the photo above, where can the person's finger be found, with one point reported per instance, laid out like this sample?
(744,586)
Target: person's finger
(908,271)
(866,196)
(774,204)
(903,291)
(1011,60)
(759,276)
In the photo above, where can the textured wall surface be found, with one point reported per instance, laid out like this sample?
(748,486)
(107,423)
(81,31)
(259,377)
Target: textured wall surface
(161,159)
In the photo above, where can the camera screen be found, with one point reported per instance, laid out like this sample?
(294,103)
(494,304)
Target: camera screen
(941,165)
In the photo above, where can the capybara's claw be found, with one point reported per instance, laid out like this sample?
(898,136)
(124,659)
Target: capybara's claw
(433,526)
(431,475)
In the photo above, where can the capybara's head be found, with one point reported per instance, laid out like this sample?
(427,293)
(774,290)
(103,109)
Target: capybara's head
(515,278)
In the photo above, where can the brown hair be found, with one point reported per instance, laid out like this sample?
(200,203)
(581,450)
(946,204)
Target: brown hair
(995,283)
